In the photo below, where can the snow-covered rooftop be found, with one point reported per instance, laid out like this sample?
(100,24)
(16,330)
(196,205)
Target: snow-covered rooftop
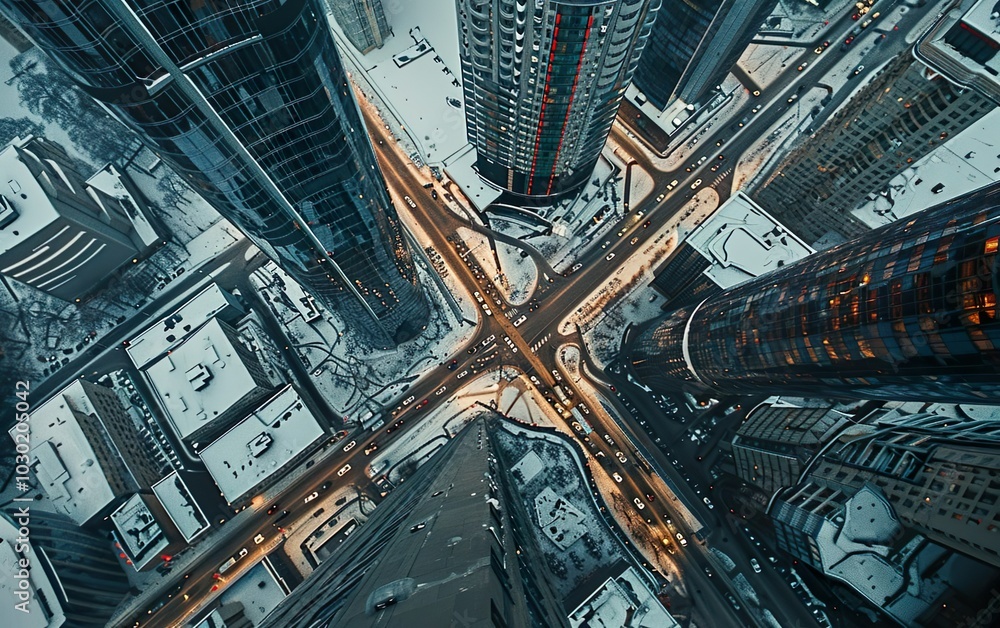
(200,379)
(37,586)
(623,601)
(962,46)
(22,186)
(141,537)
(166,334)
(262,444)
(869,518)
(743,241)
(66,465)
(180,506)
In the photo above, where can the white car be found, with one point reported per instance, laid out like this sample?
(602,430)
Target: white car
(440,391)
(486,308)
(462,374)
(708,502)
(661,197)
(243,552)
(610,256)
(697,182)
(672,185)
(258,539)
(409,201)
(408,400)
(681,540)
(617,477)
(344,470)
(621,457)
(520,320)
(311,497)
(638,503)
(755,565)
(349,446)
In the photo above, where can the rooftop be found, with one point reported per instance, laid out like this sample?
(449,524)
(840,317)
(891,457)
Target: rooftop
(262,444)
(141,537)
(37,582)
(180,506)
(742,241)
(22,190)
(200,378)
(962,46)
(64,461)
(166,334)
(623,601)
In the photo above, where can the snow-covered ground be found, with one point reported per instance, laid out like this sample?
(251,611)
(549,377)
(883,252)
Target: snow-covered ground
(353,378)
(517,275)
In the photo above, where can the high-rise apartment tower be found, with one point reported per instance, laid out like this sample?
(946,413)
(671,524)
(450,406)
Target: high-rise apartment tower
(543,81)
(249,101)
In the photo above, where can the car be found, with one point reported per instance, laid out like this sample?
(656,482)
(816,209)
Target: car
(803,66)
(284,513)
(855,16)
(409,201)
(621,457)
(646,224)
(819,50)
(418,527)
(325,485)
(732,601)
(607,438)
(434,194)
(462,374)
(708,572)
(344,470)
(672,185)
(633,240)
(650,497)
(453,365)
(520,320)
(792,98)
(638,503)
(349,446)
(258,539)
(755,109)
(715,167)
(381,606)
(440,391)
(875,15)
(311,496)
(755,565)
(858,70)
(371,448)
(681,539)
(708,502)
(617,477)
(472,350)
(866,23)
(606,244)
(408,400)
(486,308)
(610,256)
(273,509)
(755,93)
(847,42)
(697,182)
(661,197)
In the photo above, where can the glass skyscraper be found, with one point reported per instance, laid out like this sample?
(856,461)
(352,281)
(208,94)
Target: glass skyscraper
(907,311)
(543,81)
(249,101)
(693,46)
(363,22)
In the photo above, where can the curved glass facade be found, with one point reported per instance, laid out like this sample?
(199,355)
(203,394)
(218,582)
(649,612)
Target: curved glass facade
(543,82)
(249,101)
(908,312)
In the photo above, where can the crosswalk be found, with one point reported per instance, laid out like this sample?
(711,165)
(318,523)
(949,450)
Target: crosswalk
(538,345)
(511,313)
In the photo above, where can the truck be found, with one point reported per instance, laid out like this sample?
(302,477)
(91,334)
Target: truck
(561,394)
(224,567)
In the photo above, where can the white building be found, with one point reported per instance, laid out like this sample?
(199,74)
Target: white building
(253,453)
(85,451)
(139,534)
(181,507)
(60,233)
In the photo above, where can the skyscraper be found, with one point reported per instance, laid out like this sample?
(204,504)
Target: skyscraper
(919,100)
(363,22)
(543,82)
(907,311)
(693,45)
(249,101)
(453,516)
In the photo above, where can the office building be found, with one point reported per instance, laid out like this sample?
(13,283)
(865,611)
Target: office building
(915,103)
(694,44)
(251,455)
(451,517)
(73,578)
(938,472)
(905,312)
(363,22)
(857,539)
(774,444)
(737,242)
(59,232)
(543,81)
(143,542)
(85,452)
(251,104)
